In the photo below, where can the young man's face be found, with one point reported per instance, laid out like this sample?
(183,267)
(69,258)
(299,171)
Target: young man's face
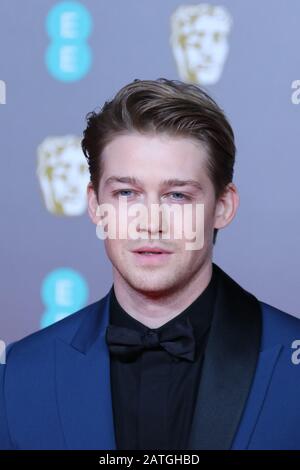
(152,160)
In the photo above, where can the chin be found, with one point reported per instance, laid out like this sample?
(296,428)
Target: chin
(152,287)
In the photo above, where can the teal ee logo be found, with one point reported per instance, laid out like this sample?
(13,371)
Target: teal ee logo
(63,292)
(2,92)
(68,57)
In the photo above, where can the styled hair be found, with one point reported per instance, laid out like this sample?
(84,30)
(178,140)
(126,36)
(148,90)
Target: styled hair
(164,106)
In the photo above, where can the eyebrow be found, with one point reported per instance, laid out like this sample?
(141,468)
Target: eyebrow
(169,182)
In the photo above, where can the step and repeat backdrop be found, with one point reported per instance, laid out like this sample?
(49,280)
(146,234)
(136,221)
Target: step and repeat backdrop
(60,60)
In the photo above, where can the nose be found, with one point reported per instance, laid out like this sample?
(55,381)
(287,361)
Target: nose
(150,218)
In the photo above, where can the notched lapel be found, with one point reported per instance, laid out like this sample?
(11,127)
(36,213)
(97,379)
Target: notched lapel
(83,384)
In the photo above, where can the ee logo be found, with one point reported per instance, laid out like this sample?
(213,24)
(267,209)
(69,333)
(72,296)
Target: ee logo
(68,56)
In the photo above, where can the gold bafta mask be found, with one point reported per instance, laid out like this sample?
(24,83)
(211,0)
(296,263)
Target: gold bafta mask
(63,175)
(199,42)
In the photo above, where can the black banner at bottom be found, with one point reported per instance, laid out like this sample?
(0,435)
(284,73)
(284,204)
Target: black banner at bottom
(133,459)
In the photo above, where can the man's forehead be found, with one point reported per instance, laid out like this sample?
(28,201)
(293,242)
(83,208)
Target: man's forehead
(155,154)
(184,160)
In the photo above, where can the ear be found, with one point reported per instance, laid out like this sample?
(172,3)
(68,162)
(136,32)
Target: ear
(226,206)
(92,204)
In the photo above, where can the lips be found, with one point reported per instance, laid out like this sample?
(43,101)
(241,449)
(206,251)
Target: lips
(151,250)
(148,253)
(149,256)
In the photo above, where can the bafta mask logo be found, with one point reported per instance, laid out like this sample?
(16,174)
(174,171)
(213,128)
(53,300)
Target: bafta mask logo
(63,175)
(199,42)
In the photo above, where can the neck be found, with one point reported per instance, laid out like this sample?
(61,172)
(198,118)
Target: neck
(154,311)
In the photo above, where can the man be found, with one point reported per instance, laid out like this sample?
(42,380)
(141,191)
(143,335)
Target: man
(177,355)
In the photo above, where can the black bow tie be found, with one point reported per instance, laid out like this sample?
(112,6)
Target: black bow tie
(178,339)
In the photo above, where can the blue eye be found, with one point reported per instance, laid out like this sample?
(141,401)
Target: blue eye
(181,194)
(124,191)
(129,192)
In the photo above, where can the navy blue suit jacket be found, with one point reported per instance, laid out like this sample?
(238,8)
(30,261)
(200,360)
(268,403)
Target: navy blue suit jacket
(55,387)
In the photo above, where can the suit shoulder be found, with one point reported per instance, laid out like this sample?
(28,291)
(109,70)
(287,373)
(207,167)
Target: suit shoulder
(38,343)
(279,326)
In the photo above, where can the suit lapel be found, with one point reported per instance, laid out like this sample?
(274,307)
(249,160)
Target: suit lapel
(229,366)
(83,383)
